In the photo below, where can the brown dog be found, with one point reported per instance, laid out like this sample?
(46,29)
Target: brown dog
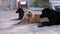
(30,17)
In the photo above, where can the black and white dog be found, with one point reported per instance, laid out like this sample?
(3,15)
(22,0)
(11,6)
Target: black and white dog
(52,15)
(20,11)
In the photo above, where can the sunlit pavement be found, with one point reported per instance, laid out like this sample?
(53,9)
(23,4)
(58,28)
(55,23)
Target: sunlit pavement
(7,19)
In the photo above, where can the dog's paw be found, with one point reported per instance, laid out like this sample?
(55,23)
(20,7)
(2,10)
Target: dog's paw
(17,23)
(41,24)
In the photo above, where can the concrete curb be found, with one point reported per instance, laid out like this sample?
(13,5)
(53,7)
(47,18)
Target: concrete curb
(36,9)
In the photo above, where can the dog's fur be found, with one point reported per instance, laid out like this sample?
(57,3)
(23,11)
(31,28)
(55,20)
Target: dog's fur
(20,11)
(30,17)
(52,15)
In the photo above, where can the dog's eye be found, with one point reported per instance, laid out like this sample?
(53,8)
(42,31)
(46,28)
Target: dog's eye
(29,12)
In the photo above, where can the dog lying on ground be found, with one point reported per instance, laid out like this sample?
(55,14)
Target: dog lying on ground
(52,15)
(30,17)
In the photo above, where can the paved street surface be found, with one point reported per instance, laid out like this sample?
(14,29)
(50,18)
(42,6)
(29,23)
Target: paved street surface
(7,19)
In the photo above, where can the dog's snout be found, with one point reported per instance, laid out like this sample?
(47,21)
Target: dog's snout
(28,15)
(16,11)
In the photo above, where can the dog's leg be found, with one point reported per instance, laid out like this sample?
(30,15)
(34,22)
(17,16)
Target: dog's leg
(29,21)
(42,24)
(20,22)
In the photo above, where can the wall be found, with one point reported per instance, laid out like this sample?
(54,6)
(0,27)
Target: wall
(7,4)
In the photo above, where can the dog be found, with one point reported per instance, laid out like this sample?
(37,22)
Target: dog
(30,17)
(52,15)
(20,11)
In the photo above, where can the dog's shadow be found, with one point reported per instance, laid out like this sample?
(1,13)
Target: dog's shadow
(15,19)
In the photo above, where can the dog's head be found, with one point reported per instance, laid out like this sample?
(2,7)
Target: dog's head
(28,14)
(19,10)
(45,12)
